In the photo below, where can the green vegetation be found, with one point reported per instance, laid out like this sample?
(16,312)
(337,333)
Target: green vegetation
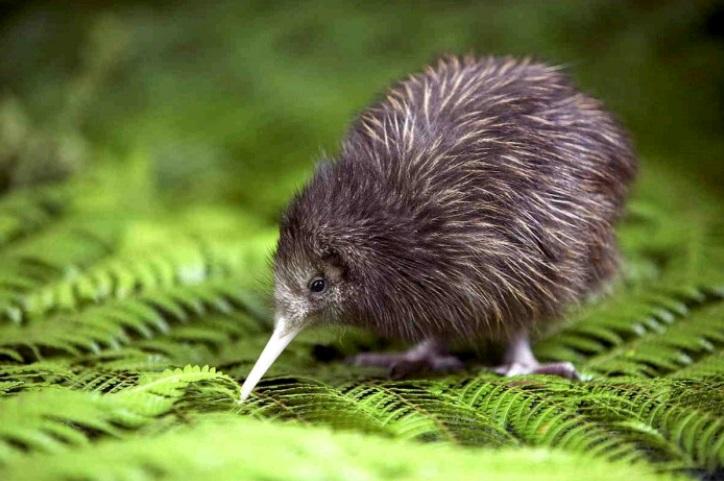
(145,153)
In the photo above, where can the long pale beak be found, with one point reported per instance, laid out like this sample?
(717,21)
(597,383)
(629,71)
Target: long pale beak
(280,338)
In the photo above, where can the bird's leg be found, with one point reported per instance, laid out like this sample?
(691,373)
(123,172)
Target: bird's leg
(428,355)
(519,359)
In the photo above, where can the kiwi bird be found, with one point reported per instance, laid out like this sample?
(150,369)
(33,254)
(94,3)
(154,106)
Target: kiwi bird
(474,200)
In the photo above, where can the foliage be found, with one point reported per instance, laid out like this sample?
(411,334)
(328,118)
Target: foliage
(99,318)
(134,293)
(288,452)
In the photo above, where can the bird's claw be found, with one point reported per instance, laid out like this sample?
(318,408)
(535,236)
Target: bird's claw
(562,369)
(408,363)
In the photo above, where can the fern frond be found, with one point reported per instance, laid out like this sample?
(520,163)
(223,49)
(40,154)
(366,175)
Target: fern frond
(229,448)
(114,324)
(121,276)
(654,332)
(669,349)
(55,419)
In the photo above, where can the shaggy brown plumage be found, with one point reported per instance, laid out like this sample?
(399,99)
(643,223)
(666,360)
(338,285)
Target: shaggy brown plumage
(476,199)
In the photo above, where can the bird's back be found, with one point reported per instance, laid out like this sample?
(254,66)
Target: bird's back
(522,175)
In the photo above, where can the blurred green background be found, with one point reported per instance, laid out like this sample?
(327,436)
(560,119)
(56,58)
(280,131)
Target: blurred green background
(234,101)
(173,134)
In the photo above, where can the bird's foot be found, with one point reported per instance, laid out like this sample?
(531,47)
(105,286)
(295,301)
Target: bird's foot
(428,356)
(562,369)
(519,359)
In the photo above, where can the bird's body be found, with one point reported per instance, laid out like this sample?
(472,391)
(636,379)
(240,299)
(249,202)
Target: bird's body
(476,199)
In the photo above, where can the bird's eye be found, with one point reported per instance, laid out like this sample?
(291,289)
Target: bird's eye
(318,285)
